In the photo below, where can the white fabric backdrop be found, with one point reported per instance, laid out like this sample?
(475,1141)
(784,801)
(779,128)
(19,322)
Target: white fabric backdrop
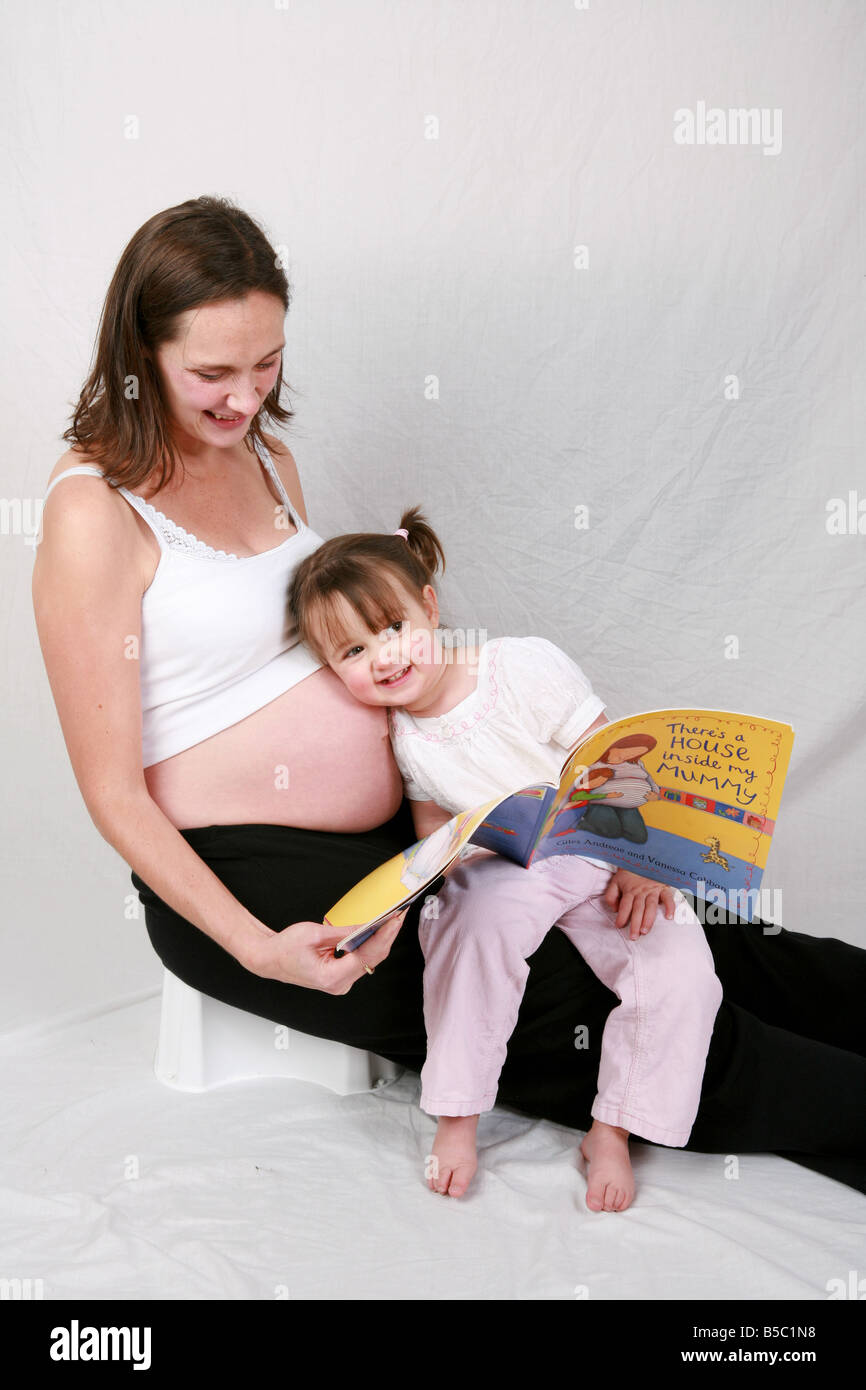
(565,378)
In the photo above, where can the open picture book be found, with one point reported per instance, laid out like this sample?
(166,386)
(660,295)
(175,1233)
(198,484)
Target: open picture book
(687,797)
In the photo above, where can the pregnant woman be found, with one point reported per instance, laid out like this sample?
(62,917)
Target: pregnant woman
(247,791)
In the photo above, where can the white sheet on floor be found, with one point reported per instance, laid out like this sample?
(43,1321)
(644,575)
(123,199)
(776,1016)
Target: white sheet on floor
(270,1189)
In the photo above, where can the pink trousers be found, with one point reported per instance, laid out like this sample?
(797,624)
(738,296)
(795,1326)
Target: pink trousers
(475,936)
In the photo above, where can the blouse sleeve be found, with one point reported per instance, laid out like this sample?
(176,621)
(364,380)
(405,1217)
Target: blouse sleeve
(654,786)
(412,788)
(554,698)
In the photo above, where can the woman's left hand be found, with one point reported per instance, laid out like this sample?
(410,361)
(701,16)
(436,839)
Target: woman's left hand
(638,899)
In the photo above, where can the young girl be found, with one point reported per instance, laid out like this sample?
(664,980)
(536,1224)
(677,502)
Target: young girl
(467,726)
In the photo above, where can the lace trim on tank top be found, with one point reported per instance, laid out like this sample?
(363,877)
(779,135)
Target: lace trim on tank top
(177,536)
(181,539)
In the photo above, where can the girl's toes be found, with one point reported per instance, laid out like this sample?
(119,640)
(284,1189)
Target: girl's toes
(461,1178)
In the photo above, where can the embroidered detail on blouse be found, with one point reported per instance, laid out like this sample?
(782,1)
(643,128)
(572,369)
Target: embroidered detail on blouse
(463,725)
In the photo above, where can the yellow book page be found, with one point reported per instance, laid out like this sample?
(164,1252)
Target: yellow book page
(720,775)
(402,878)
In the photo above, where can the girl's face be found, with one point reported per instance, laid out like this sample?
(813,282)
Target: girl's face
(224,362)
(595,780)
(401,666)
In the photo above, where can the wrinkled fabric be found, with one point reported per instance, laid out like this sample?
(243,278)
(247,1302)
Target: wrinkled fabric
(114,1186)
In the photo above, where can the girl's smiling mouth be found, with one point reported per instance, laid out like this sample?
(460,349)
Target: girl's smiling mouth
(397,677)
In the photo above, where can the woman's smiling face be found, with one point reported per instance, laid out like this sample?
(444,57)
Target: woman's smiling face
(223,361)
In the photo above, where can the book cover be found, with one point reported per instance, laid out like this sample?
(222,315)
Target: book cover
(688,797)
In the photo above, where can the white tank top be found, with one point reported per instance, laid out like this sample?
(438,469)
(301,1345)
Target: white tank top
(216,644)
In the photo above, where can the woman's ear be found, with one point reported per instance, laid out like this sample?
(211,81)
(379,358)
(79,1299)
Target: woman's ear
(430,604)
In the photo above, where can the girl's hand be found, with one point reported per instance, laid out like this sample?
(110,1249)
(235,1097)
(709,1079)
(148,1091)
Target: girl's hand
(638,899)
(303,954)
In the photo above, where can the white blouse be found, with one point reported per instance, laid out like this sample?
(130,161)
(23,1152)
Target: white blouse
(529,708)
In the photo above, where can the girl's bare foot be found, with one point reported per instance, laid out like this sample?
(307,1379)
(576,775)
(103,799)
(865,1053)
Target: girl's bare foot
(454,1156)
(610,1180)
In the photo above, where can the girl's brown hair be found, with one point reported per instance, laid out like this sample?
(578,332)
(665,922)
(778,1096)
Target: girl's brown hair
(604,773)
(199,252)
(366,569)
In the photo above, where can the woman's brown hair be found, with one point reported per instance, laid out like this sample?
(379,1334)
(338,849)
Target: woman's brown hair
(364,568)
(630,741)
(199,252)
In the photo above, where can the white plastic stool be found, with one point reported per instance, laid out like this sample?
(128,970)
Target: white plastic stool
(204,1043)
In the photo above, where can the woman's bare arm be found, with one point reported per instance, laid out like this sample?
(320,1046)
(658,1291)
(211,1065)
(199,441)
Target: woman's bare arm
(87,590)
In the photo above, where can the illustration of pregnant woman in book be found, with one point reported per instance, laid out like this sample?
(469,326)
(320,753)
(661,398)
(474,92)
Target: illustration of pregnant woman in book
(585,792)
(630,784)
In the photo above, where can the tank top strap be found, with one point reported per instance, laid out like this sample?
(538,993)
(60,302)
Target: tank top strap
(88,468)
(161,526)
(168,533)
(266,460)
(142,507)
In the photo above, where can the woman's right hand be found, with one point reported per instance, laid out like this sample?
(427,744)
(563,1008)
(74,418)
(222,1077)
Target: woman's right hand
(303,954)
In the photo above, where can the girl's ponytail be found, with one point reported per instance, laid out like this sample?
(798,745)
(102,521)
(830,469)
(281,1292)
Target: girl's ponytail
(367,570)
(423,542)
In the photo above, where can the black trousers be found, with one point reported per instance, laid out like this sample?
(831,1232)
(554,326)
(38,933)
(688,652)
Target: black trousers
(786,1070)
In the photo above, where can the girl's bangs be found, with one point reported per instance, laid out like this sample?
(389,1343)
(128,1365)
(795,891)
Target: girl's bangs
(374,600)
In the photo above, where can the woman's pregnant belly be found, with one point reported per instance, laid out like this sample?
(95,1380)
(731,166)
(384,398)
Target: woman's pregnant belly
(313,758)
